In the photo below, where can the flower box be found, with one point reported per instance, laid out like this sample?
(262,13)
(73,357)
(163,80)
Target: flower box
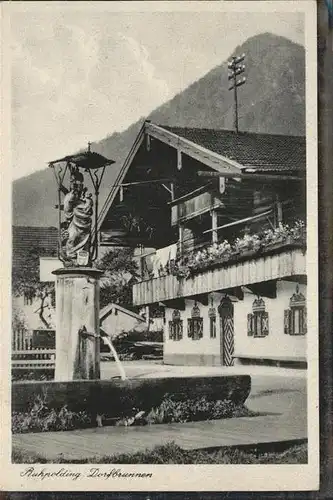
(289,241)
(249,253)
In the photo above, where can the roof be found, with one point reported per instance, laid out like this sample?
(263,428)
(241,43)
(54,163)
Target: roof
(222,150)
(107,310)
(264,152)
(88,160)
(26,238)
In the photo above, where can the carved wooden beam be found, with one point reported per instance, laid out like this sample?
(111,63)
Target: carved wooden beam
(175,304)
(301,279)
(234,292)
(202,298)
(264,289)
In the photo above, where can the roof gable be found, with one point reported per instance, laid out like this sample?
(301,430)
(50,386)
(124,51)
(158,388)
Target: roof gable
(106,311)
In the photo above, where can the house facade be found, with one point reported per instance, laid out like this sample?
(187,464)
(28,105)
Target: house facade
(220,218)
(33,250)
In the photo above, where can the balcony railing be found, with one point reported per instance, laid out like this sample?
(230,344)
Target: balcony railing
(277,261)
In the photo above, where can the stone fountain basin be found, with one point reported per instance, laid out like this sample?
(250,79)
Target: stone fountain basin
(116,397)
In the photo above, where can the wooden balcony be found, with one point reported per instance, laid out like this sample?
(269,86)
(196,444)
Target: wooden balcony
(285,262)
(189,206)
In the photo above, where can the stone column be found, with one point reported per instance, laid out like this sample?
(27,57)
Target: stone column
(77,324)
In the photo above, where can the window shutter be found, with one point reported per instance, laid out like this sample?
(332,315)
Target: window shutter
(200,327)
(180,329)
(305,326)
(264,324)
(170,330)
(250,325)
(287,322)
(190,328)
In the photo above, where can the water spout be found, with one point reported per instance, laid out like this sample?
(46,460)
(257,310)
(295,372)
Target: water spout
(116,357)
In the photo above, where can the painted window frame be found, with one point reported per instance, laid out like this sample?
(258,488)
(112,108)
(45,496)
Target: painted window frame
(258,320)
(212,322)
(195,324)
(176,326)
(297,309)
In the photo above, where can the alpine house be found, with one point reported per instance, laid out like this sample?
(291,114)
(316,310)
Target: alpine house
(220,218)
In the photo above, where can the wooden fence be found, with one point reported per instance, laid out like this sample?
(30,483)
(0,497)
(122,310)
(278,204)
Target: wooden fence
(25,356)
(33,359)
(22,340)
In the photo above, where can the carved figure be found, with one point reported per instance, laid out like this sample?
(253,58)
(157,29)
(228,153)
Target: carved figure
(78,210)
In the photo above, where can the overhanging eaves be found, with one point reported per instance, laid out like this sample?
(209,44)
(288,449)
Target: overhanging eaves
(212,160)
(123,171)
(209,158)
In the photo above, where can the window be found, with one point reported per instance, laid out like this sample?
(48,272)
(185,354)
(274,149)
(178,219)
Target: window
(257,321)
(212,321)
(295,316)
(195,324)
(176,326)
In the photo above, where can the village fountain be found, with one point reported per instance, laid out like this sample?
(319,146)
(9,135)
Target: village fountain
(77,283)
(77,382)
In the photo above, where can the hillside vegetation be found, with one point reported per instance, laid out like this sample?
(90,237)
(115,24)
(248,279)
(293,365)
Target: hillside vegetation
(272,101)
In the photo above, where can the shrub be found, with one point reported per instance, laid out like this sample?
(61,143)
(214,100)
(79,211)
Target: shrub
(137,336)
(24,375)
(39,418)
(128,350)
(192,410)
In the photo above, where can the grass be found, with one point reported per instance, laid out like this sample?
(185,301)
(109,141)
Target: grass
(173,454)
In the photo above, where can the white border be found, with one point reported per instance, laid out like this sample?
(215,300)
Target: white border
(181,477)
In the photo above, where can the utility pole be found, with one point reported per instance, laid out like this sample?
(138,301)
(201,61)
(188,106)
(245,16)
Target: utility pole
(235,69)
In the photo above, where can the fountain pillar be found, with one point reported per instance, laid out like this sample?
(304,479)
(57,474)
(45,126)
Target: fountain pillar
(77,324)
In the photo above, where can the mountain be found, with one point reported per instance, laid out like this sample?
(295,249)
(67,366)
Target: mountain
(271,101)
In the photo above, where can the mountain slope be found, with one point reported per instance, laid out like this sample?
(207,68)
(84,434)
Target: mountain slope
(271,101)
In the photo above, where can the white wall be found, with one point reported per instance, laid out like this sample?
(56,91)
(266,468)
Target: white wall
(277,343)
(46,266)
(156,324)
(187,345)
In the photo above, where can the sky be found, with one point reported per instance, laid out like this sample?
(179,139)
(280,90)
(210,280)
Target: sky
(78,76)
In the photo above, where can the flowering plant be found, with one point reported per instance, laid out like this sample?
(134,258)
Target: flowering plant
(298,231)
(277,234)
(216,252)
(248,242)
(284,231)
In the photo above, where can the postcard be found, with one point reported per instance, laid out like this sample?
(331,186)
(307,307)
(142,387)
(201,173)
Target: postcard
(160,270)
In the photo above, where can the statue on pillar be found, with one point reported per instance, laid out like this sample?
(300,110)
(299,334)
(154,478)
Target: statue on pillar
(78,210)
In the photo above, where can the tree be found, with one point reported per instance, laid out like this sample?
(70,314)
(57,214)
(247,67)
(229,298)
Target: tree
(120,271)
(25,281)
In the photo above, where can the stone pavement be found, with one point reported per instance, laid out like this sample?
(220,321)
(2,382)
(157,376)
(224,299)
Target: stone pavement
(281,398)
(98,442)
(156,369)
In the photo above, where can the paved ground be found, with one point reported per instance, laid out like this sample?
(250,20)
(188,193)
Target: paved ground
(90,443)
(155,369)
(281,396)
